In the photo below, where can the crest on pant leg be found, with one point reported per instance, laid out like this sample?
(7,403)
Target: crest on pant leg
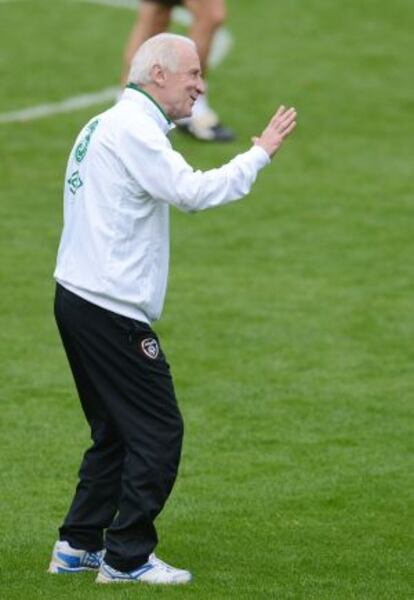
(150,347)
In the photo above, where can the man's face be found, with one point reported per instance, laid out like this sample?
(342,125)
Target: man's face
(183,87)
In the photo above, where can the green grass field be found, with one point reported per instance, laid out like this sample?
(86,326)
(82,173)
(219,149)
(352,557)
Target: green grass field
(289,320)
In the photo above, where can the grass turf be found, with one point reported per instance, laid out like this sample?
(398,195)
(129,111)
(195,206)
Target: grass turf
(288,321)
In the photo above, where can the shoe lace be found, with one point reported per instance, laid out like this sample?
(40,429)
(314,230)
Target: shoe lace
(154,560)
(93,559)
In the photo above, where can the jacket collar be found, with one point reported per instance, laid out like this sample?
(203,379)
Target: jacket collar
(144,100)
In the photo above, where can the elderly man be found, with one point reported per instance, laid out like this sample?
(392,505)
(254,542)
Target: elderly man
(111,275)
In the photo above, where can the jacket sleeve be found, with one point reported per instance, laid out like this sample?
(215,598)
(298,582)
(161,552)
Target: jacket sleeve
(165,175)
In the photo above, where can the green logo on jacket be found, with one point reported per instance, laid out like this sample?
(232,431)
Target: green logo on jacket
(75,182)
(82,147)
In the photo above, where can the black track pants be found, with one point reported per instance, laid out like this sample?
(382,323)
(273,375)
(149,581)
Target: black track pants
(127,395)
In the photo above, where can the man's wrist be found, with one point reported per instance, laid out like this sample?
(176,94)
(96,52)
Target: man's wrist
(263,157)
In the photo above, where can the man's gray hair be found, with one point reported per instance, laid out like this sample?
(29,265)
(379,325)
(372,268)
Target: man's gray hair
(159,50)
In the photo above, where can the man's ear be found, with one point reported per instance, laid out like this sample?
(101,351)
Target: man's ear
(158,75)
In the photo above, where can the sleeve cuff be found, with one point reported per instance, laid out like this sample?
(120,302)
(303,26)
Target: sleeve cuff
(260,156)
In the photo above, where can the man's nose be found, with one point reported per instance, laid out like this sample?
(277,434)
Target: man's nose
(201,86)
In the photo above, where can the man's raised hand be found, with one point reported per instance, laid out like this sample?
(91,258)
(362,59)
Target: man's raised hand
(279,127)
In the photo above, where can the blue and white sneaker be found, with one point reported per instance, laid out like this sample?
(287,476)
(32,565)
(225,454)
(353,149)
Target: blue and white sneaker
(66,559)
(154,571)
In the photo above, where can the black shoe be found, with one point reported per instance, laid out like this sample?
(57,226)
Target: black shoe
(211,133)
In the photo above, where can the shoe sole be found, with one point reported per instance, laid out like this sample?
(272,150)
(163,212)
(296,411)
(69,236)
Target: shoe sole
(102,579)
(58,569)
(206,137)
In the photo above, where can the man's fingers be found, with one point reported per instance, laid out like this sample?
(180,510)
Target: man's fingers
(285,120)
(287,116)
(281,112)
(289,113)
(279,127)
(289,129)
(278,113)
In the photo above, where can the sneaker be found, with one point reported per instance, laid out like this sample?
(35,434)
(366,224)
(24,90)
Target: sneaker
(213,133)
(207,127)
(66,559)
(154,571)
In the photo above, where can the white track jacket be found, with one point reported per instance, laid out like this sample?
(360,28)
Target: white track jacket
(121,177)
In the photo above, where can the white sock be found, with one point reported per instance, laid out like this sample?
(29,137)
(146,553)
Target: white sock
(201,106)
(200,109)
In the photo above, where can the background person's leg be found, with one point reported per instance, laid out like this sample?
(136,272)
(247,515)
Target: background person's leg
(152,18)
(208,16)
